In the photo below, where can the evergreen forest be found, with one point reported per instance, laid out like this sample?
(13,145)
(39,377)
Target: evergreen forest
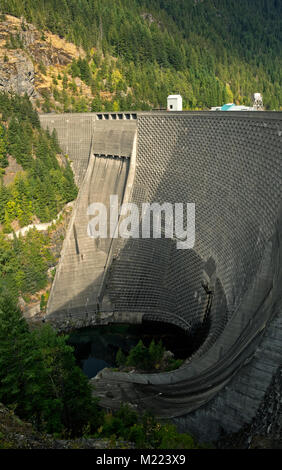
(136,53)
(209,51)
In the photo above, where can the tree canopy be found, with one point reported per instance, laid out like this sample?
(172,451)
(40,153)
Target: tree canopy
(198,49)
(44,186)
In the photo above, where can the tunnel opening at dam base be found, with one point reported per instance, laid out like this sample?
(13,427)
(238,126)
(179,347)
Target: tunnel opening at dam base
(95,348)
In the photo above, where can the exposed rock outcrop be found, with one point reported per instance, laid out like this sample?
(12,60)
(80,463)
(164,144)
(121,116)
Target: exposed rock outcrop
(12,169)
(25,52)
(18,75)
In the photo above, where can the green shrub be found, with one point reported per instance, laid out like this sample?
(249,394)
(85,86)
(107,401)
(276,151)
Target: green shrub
(139,357)
(38,375)
(142,357)
(120,358)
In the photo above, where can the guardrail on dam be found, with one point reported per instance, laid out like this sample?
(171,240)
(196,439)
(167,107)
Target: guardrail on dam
(230,166)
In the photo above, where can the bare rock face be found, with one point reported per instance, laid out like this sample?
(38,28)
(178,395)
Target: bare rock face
(25,51)
(18,76)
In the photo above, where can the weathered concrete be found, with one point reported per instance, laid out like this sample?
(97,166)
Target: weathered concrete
(78,132)
(76,291)
(231,167)
(75,134)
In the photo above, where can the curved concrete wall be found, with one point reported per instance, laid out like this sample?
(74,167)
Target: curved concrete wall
(230,166)
(231,169)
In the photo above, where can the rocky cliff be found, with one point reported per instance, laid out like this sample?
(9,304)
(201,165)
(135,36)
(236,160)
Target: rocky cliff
(29,59)
(17,75)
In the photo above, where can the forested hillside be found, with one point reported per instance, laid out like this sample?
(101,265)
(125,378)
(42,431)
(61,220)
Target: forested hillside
(130,55)
(43,186)
(139,51)
(39,188)
(38,375)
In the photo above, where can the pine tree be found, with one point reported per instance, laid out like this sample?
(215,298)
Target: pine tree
(120,358)
(3,148)
(20,369)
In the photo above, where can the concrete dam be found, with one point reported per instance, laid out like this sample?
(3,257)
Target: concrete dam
(230,166)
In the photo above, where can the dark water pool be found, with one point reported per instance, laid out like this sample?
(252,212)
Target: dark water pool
(96,347)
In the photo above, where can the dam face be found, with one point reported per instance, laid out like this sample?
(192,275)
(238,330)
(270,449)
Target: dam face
(230,166)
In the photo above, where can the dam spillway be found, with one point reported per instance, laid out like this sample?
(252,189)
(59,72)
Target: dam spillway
(230,166)
(75,295)
(84,258)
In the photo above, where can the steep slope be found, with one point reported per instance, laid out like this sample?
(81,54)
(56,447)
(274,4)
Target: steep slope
(36,182)
(210,51)
(31,62)
(17,434)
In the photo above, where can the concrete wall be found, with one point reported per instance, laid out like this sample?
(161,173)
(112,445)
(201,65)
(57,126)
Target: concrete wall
(230,166)
(75,294)
(75,133)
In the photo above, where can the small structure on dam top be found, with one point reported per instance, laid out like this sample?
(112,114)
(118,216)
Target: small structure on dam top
(174,103)
(230,166)
(233,107)
(257,105)
(257,101)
